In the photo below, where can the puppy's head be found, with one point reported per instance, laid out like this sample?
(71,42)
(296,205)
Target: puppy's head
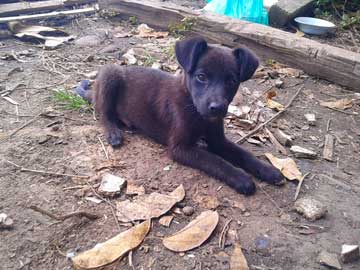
(213,73)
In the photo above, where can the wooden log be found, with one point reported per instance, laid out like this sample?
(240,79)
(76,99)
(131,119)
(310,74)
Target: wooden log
(29,7)
(50,14)
(331,63)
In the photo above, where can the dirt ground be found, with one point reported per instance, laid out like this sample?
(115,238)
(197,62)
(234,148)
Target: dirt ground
(67,141)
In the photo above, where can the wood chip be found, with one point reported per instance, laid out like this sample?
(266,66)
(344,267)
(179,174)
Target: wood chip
(301,152)
(166,220)
(283,138)
(276,143)
(328,147)
(340,104)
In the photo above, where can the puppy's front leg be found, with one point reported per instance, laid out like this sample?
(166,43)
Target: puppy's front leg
(215,166)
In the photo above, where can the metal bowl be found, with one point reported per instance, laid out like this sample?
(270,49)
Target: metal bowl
(314,26)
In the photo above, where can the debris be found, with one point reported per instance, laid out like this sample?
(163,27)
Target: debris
(254,141)
(64,217)
(5,221)
(51,37)
(129,57)
(279,83)
(283,138)
(276,143)
(238,111)
(311,119)
(93,199)
(328,147)
(299,186)
(205,201)
(147,32)
(132,189)
(194,234)
(166,220)
(287,166)
(148,206)
(111,185)
(329,259)
(271,103)
(292,72)
(156,65)
(238,260)
(301,152)
(263,244)
(114,248)
(223,233)
(340,104)
(310,208)
(167,167)
(88,41)
(349,253)
(188,210)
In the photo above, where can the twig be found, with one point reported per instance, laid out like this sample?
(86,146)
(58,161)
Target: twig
(223,234)
(64,217)
(242,139)
(349,113)
(22,169)
(299,186)
(104,149)
(328,125)
(130,259)
(24,125)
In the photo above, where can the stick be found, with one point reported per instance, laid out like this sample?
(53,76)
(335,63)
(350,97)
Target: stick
(223,234)
(64,217)
(299,186)
(334,109)
(328,125)
(24,125)
(22,169)
(104,149)
(276,143)
(50,14)
(271,119)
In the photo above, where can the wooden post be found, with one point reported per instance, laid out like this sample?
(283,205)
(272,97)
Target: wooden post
(324,61)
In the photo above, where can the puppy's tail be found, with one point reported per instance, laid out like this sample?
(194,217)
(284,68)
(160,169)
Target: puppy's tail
(83,90)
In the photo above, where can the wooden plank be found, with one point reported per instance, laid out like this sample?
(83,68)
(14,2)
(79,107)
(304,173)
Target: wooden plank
(324,61)
(28,7)
(50,14)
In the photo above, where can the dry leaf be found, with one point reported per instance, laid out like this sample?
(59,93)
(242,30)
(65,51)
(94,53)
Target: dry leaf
(193,234)
(166,220)
(209,202)
(271,103)
(146,32)
(148,206)
(287,166)
(238,260)
(113,249)
(132,189)
(340,104)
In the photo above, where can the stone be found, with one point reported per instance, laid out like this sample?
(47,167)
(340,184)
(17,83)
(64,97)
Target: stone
(310,208)
(329,259)
(284,11)
(279,83)
(301,152)
(349,253)
(5,221)
(188,210)
(310,118)
(263,245)
(111,184)
(88,41)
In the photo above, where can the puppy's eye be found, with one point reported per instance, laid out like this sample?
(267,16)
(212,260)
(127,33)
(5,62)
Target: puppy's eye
(201,78)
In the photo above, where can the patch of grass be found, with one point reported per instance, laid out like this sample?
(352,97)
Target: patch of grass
(71,101)
(180,29)
(149,60)
(133,20)
(170,52)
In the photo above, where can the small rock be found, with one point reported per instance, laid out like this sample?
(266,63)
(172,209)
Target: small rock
(247,214)
(156,65)
(310,118)
(310,208)
(5,221)
(111,184)
(301,152)
(263,244)
(188,210)
(279,83)
(43,139)
(349,253)
(88,41)
(329,259)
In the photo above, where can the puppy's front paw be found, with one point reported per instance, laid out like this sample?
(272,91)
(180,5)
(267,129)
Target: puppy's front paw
(244,185)
(114,138)
(271,175)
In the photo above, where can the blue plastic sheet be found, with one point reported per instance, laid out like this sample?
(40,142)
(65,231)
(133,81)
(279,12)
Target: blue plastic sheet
(248,10)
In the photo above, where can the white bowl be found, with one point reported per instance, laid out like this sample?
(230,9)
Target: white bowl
(314,26)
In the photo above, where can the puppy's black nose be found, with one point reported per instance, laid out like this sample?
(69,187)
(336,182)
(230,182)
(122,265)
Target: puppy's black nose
(217,109)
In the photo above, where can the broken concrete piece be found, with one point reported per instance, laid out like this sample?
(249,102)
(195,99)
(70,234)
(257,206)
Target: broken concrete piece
(111,184)
(301,152)
(283,138)
(5,221)
(310,208)
(349,253)
(311,118)
(329,259)
(285,10)
(328,147)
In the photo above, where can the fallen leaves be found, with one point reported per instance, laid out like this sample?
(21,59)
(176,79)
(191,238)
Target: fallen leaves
(340,104)
(147,32)
(148,206)
(287,166)
(193,234)
(238,260)
(113,249)
(273,104)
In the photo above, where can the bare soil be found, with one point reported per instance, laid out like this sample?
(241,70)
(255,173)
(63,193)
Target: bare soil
(67,141)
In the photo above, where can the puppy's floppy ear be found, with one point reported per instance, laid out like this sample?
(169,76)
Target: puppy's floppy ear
(247,61)
(188,52)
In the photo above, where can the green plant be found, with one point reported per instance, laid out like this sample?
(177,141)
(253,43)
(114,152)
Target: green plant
(149,60)
(133,20)
(70,101)
(171,52)
(180,29)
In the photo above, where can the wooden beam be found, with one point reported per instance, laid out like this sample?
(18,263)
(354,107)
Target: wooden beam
(29,7)
(324,61)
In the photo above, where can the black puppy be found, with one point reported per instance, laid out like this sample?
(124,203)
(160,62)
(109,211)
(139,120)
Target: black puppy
(177,111)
